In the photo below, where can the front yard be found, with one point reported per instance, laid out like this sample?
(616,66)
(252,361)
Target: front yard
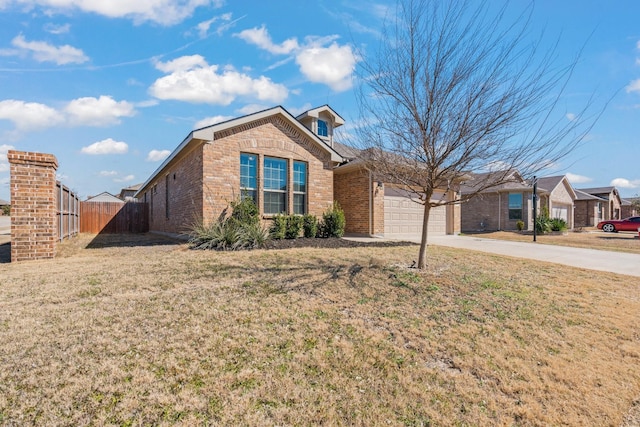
(127,331)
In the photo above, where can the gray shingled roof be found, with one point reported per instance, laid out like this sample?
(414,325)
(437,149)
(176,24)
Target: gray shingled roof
(582,195)
(598,190)
(548,183)
(345,151)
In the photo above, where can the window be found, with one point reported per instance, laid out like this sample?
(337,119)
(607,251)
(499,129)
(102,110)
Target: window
(299,188)
(322,128)
(275,185)
(515,205)
(248,174)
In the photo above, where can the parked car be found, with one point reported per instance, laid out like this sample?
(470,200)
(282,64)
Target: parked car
(615,225)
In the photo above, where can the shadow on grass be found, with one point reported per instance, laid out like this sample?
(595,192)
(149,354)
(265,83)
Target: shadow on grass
(131,240)
(5,253)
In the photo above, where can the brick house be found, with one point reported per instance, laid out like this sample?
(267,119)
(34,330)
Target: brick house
(628,209)
(588,209)
(611,202)
(501,207)
(558,196)
(287,165)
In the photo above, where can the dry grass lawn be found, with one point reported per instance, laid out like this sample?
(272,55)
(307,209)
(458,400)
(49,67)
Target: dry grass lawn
(151,333)
(620,242)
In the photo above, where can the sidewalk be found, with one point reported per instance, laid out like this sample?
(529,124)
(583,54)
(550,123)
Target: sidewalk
(589,259)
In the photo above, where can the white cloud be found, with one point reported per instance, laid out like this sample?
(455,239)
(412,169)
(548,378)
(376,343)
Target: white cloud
(634,86)
(577,179)
(208,121)
(57,29)
(625,183)
(28,116)
(166,12)
(193,80)
(571,117)
(320,59)
(4,163)
(103,111)
(157,155)
(44,52)
(261,38)
(204,26)
(333,65)
(106,146)
(251,108)
(127,178)
(300,110)
(107,173)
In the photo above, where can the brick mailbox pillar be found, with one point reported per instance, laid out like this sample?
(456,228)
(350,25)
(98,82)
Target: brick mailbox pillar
(33,205)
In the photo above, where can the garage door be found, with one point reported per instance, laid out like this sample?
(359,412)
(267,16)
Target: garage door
(560,212)
(403,217)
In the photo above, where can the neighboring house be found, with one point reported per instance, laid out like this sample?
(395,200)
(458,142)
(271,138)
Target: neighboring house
(498,208)
(611,209)
(286,164)
(127,193)
(501,207)
(588,209)
(104,197)
(628,208)
(558,196)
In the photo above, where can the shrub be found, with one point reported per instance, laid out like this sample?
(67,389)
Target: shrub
(310,225)
(278,228)
(245,211)
(241,230)
(543,224)
(6,210)
(333,222)
(558,224)
(252,236)
(294,226)
(520,225)
(221,235)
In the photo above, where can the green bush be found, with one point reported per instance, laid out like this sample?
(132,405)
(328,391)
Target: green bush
(543,225)
(520,225)
(278,228)
(6,210)
(245,211)
(310,225)
(294,227)
(333,222)
(558,224)
(220,235)
(241,230)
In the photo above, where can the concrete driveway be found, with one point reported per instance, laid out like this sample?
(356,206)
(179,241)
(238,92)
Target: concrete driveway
(588,259)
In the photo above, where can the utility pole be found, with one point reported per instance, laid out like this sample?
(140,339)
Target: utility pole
(535,204)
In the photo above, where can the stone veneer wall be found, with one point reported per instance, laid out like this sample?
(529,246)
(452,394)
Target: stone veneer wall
(33,205)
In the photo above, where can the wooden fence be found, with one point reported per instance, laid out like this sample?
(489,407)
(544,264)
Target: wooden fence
(67,211)
(114,218)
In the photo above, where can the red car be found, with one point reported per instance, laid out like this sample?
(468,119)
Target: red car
(615,225)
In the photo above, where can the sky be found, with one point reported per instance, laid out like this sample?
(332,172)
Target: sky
(112,87)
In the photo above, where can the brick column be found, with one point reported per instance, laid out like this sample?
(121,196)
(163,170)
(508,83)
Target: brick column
(33,205)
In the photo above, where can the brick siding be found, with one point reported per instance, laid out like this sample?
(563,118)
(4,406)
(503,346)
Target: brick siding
(351,191)
(33,205)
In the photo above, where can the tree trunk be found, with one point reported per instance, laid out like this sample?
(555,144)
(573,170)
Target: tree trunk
(422,257)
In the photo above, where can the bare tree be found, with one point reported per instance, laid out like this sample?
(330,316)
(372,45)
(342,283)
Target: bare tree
(453,90)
